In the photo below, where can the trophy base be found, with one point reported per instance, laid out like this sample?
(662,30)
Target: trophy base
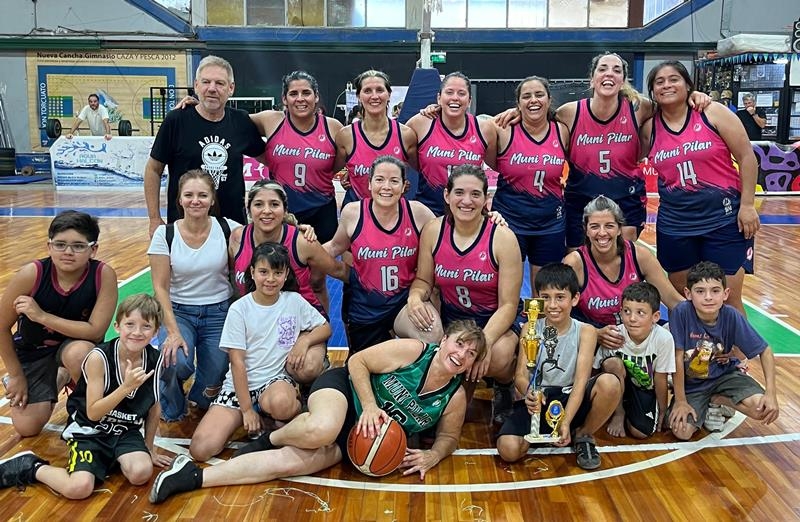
(540,439)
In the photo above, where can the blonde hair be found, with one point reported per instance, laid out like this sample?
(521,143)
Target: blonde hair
(469,331)
(148,307)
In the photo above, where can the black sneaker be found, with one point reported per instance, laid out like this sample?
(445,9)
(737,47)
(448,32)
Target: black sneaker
(261,443)
(586,451)
(182,476)
(19,470)
(502,402)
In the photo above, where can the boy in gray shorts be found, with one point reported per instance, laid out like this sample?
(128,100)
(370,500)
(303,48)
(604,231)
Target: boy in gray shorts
(707,379)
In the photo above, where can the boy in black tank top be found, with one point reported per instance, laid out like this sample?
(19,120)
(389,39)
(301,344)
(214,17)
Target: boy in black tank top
(62,305)
(115,398)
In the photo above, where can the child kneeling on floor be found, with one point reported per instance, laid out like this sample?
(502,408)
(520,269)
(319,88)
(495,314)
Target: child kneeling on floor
(563,373)
(115,397)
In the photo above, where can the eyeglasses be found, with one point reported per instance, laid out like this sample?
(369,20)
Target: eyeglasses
(78,248)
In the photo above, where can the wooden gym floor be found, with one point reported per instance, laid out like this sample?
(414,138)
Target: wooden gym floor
(743,473)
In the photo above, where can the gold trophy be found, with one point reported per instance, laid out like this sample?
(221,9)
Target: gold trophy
(531,341)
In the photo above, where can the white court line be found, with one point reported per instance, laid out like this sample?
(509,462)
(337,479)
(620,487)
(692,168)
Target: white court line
(752,305)
(677,450)
(143,271)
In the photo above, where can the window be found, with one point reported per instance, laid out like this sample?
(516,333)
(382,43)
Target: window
(225,12)
(266,12)
(386,13)
(486,13)
(306,13)
(346,13)
(527,13)
(568,13)
(453,15)
(608,13)
(655,8)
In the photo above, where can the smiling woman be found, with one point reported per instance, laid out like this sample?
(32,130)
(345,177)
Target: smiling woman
(453,138)
(191,281)
(606,264)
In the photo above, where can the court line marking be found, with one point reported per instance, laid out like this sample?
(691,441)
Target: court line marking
(753,306)
(677,451)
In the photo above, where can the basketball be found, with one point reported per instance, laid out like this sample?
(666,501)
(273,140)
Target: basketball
(379,456)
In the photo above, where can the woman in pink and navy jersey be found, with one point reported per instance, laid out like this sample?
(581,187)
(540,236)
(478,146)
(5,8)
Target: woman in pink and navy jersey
(477,269)
(453,137)
(300,153)
(266,205)
(375,134)
(606,264)
(604,147)
(530,162)
(706,210)
(382,234)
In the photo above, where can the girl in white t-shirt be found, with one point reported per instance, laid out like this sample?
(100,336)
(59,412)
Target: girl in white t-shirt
(261,336)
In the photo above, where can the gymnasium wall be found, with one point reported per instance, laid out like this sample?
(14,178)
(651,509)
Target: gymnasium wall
(97,24)
(258,73)
(20,17)
(15,97)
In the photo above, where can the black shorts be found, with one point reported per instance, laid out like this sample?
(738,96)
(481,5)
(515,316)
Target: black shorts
(339,379)
(323,219)
(42,374)
(519,422)
(641,407)
(360,336)
(98,454)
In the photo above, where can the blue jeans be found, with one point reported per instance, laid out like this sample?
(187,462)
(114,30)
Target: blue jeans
(201,328)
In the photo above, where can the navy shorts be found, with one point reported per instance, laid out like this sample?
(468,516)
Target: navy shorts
(633,208)
(482,320)
(360,336)
(725,246)
(543,248)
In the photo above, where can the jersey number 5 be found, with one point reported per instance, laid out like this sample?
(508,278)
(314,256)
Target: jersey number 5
(605,163)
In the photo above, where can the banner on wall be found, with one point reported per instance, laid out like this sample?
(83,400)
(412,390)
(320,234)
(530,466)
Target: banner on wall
(61,81)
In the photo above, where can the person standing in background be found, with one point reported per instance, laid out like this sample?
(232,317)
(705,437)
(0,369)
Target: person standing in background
(209,136)
(96,116)
(753,118)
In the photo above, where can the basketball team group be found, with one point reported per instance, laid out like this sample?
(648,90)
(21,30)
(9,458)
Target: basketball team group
(432,282)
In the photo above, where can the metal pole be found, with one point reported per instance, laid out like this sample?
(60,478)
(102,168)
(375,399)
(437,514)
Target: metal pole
(425,36)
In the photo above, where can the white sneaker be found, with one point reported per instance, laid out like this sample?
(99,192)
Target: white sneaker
(715,419)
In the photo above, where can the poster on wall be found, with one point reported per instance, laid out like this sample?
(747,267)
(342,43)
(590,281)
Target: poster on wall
(92,162)
(60,83)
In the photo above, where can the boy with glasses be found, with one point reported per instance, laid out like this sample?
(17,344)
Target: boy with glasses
(62,306)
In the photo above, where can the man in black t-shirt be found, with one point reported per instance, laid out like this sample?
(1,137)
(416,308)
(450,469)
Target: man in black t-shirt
(753,118)
(209,136)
